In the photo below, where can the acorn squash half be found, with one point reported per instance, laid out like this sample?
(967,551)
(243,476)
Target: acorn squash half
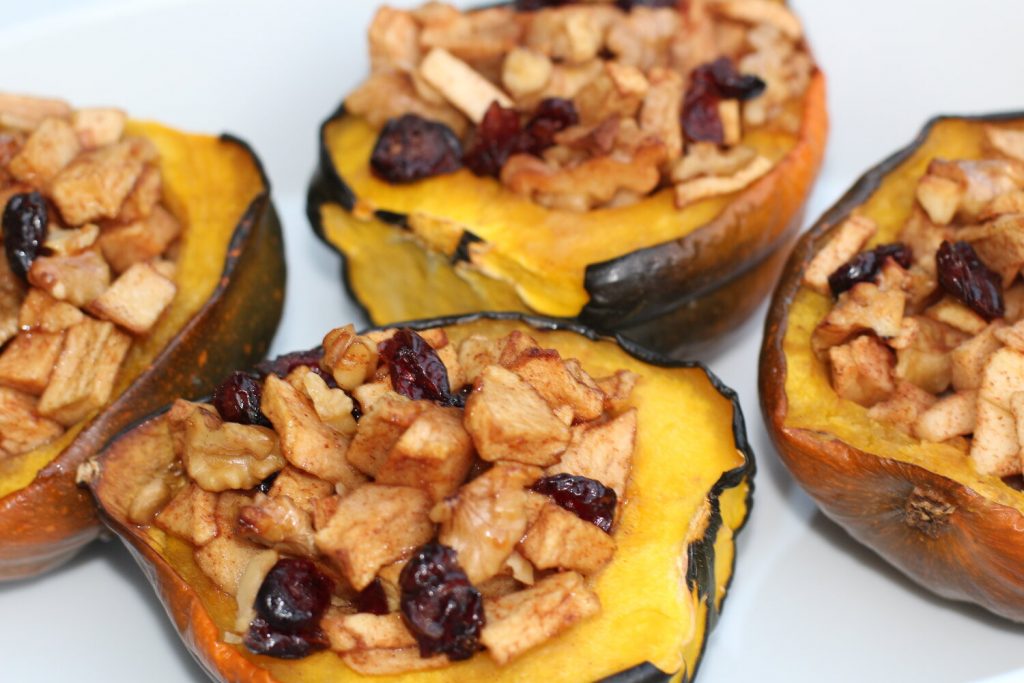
(920,505)
(230,279)
(689,494)
(458,243)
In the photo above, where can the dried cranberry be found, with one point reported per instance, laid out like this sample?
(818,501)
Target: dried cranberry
(284,364)
(460,397)
(238,399)
(497,138)
(439,605)
(553,115)
(417,372)
(964,276)
(25,223)
(411,148)
(588,499)
(294,595)
(264,639)
(710,84)
(864,267)
(373,599)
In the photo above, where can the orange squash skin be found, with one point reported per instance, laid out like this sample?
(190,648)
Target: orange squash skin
(941,533)
(45,523)
(226,663)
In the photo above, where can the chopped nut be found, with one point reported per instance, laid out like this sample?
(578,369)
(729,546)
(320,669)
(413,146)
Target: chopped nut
(460,84)
(332,406)
(83,377)
(862,371)
(97,127)
(661,110)
(21,427)
(375,525)
(701,188)
(707,159)
(525,71)
(952,416)
(434,453)
(848,240)
(351,359)
(487,518)
(558,539)
(222,455)
(509,420)
(278,522)
(761,12)
(307,442)
(191,515)
(527,618)
(394,40)
(78,279)
(27,361)
(48,149)
(136,299)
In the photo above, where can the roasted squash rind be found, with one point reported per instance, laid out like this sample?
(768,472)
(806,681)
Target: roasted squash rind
(215,324)
(920,506)
(715,514)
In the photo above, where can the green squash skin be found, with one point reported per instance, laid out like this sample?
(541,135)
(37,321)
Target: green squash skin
(700,574)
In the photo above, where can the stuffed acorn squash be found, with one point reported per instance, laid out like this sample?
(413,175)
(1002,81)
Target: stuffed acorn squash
(635,167)
(132,252)
(893,366)
(505,499)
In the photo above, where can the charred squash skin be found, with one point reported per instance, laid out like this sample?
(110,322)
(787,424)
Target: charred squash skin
(920,506)
(216,323)
(200,612)
(700,282)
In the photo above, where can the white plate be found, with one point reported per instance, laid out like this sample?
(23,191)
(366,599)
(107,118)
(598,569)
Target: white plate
(808,604)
